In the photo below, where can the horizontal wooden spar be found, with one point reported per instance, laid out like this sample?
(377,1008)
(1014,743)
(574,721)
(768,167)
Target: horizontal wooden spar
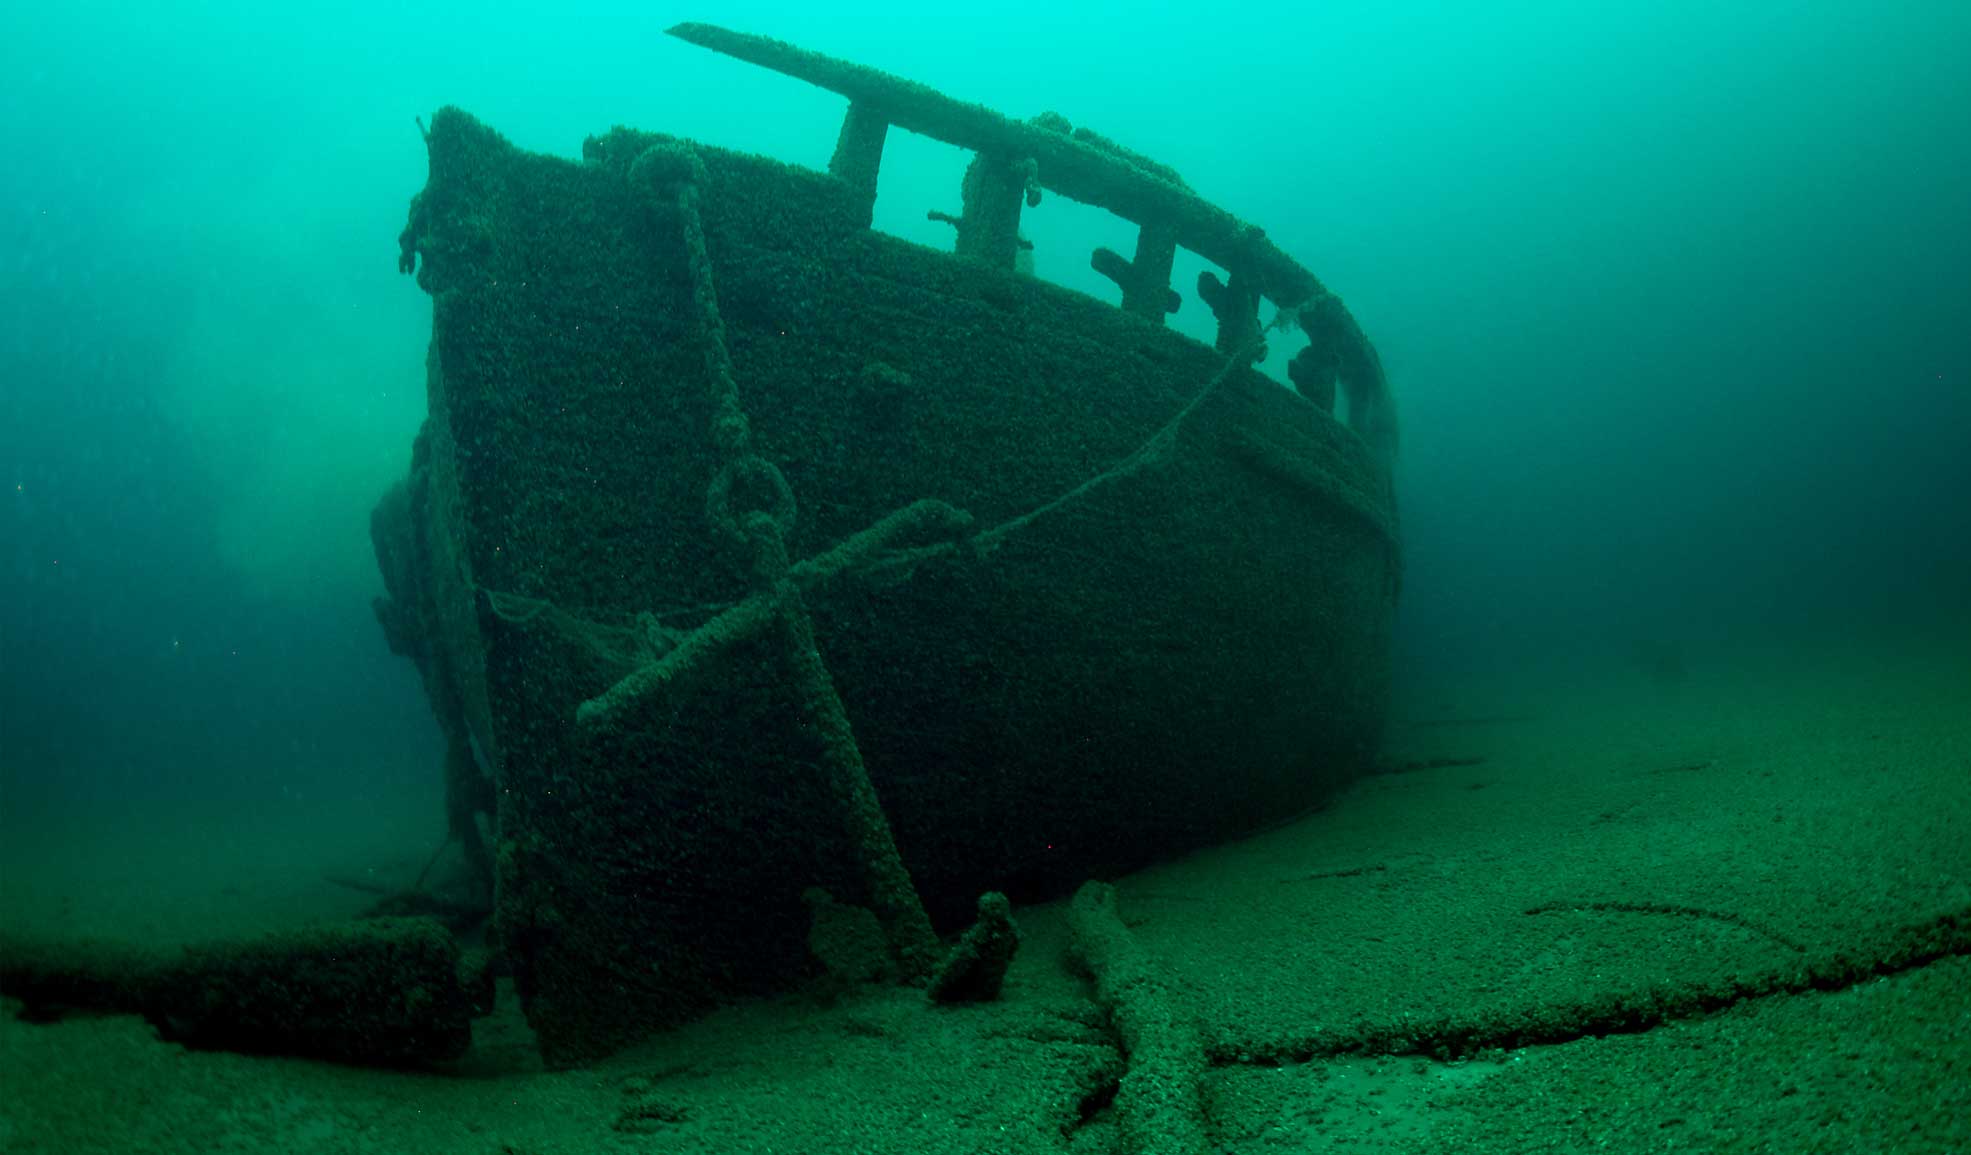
(1069,166)
(1087,169)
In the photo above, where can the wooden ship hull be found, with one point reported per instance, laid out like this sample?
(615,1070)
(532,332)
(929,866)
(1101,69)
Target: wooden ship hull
(747,550)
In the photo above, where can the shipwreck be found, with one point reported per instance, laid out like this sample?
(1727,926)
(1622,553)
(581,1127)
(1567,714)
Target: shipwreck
(754,558)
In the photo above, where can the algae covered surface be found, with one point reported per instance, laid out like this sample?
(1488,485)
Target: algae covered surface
(1729,916)
(898,528)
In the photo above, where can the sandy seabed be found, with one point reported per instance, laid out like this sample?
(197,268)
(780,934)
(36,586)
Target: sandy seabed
(1731,913)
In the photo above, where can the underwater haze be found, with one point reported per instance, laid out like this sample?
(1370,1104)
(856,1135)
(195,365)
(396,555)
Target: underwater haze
(1674,299)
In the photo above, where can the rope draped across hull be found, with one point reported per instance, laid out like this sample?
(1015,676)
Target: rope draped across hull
(754,551)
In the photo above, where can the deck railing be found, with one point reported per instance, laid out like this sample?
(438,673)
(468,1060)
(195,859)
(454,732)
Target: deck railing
(1017,159)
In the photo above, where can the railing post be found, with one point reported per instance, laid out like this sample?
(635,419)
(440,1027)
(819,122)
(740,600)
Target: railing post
(1145,281)
(995,188)
(858,155)
(1236,305)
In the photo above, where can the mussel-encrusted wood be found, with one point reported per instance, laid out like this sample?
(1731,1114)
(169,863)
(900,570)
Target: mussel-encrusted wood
(1193,647)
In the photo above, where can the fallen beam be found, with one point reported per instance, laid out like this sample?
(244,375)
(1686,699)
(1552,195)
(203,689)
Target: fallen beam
(382,992)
